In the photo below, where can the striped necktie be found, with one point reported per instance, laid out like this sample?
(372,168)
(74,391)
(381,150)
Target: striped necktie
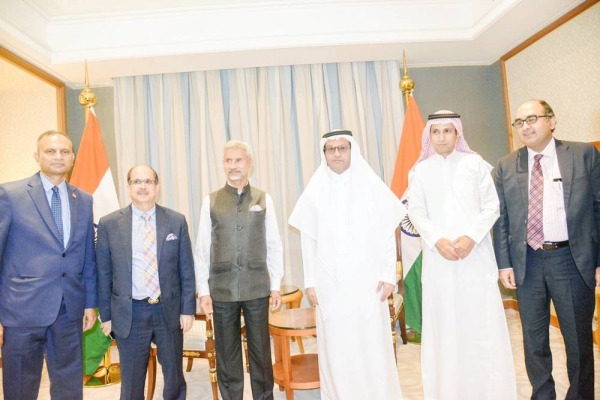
(56,208)
(535,217)
(151,275)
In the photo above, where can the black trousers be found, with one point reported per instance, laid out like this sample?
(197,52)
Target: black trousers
(230,369)
(552,275)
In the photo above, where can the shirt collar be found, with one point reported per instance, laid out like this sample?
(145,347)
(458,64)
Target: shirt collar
(137,213)
(48,185)
(549,151)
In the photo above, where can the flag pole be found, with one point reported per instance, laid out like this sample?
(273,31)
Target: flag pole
(87,98)
(107,373)
(407,85)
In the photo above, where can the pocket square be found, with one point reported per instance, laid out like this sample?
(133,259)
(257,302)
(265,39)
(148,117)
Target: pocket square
(256,207)
(171,236)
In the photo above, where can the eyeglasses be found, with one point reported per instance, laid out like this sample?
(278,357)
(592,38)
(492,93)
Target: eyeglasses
(343,149)
(139,182)
(532,119)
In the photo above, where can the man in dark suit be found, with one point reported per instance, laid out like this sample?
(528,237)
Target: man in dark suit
(47,275)
(146,285)
(546,242)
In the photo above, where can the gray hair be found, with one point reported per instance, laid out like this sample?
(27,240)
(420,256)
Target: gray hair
(237,144)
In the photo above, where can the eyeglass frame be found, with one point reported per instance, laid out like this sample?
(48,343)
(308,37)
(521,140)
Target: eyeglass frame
(331,150)
(522,121)
(138,182)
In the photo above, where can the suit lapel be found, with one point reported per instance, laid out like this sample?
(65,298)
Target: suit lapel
(125,230)
(523,175)
(36,191)
(74,208)
(161,229)
(565,165)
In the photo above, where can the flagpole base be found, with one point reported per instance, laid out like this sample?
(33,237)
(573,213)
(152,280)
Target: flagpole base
(103,376)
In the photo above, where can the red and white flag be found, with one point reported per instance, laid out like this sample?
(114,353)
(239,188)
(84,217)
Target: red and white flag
(92,172)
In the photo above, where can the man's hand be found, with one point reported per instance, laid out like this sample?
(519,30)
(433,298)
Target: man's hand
(275,299)
(185,322)
(446,248)
(106,328)
(597,279)
(388,288)
(463,246)
(1,335)
(312,296)
(507,277)
(89,318)
(206,306)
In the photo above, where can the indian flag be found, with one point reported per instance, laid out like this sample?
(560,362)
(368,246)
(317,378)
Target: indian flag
(92,174)
(408,154)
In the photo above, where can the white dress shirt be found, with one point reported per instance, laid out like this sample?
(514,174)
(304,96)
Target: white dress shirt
(555,217)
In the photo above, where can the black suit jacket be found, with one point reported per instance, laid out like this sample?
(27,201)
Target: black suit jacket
(175,268)
(579,165)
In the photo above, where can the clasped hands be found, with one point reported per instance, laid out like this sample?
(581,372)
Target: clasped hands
(455,250)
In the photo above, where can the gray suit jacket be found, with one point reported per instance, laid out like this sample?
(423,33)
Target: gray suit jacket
(175,268)
(579,165)
(36,271)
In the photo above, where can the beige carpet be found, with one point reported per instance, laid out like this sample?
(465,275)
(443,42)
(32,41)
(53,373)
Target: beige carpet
(408,370)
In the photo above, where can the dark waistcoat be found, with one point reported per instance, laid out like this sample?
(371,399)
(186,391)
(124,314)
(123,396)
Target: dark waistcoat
(238,254)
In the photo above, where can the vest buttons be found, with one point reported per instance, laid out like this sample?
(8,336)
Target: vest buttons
(64,275)
(239,228)
(239,248)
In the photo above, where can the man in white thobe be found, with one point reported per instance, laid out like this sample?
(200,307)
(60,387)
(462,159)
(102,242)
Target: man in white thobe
(466,351)
(347,218)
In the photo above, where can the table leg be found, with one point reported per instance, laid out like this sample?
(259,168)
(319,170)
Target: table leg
(287,367)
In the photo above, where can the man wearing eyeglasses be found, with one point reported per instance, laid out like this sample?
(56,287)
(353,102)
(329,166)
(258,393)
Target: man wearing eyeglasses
(347,218)
(547,245)
(146,285)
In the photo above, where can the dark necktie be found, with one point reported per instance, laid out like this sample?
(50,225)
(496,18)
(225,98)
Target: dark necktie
(56,207)
(535,217)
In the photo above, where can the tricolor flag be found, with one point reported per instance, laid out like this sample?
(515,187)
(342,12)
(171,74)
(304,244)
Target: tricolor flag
(408,154)
(92,174)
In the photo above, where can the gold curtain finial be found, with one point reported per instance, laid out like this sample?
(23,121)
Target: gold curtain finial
(407,85)
(87,98)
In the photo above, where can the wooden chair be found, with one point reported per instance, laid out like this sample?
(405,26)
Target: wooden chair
(198,342)
(396,300)
(597,331)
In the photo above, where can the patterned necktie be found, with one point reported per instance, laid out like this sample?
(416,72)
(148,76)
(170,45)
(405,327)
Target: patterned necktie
(535,217)
(56,208)
(151,275)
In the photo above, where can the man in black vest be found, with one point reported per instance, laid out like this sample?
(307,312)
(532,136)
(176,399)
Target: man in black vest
(239,263)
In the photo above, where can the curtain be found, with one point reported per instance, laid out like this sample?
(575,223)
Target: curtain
(179,124)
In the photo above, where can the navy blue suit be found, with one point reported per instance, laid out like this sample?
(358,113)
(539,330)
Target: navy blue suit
(44,289)
(135,323)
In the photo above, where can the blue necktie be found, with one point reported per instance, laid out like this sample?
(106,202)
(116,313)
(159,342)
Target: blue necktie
(56,207)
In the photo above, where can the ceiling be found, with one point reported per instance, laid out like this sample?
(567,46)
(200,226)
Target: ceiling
(140,37)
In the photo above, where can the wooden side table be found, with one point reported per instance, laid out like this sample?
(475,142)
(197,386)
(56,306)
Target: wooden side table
(298,371)
(291,297)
